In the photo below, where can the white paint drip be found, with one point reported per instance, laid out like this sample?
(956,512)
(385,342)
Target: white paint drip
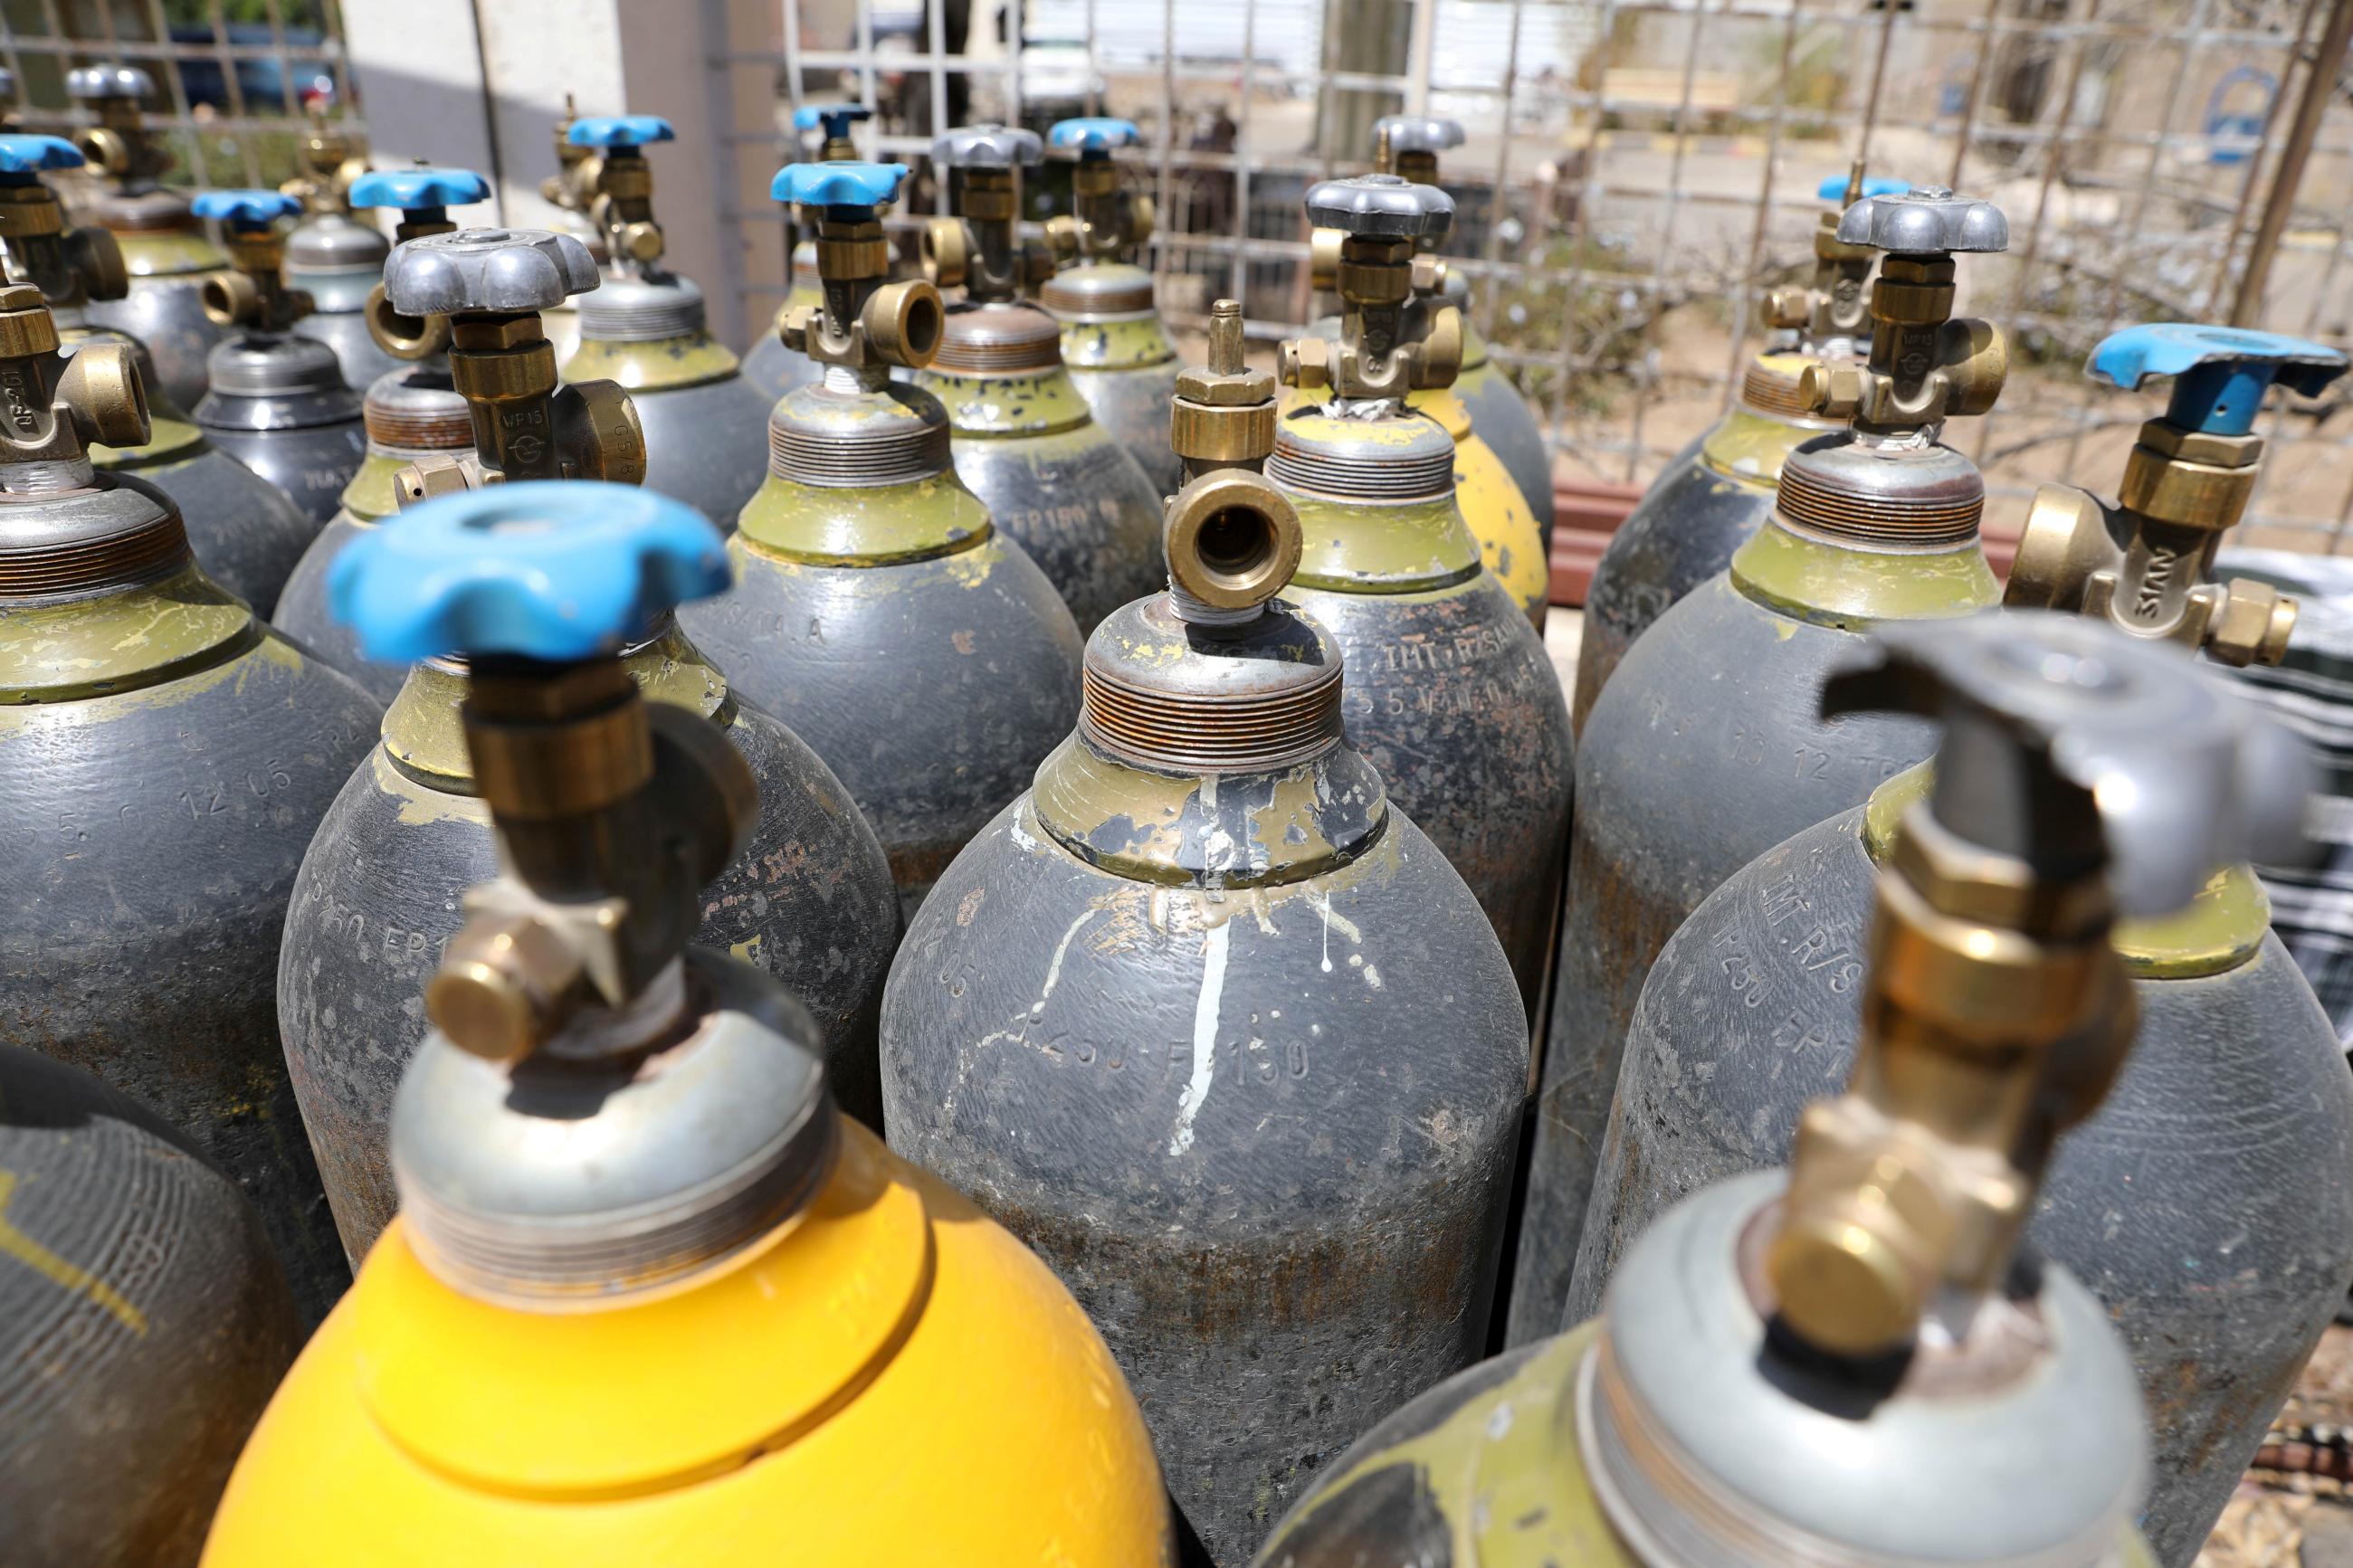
(1205,1036)
(1322,908)
(1054,969)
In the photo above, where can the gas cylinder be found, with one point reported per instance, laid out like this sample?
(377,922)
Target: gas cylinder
(1718,492)
(1449,692)
(705,426)
(1707,748)
(1025,442)
(768,364)
(163,247)
(334,258)
(572,191)
(917,649)
(413,413)
(241,527)
(1168,1017)
(277,403)
(168,757)
(1118,354)
(2224,1274)
(142,1324)
(651,1297)
(1862,1359)
(811,900)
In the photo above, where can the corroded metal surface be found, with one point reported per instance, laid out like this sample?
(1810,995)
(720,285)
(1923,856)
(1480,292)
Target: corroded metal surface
(143,1325)
(1705,751)
(811,901)
(2203,1202)
(1218,1116)
(154,836)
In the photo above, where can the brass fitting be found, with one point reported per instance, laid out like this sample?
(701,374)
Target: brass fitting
(1386,351)
(331,157)
(1925,368)
(1233,539)
(865,323)
(1224,412)
(622,205)
(979,249)
(526,425)
(118,148)
(403,336)
(1324,259)
(70,265)
(254,295)
(582,774)
(58,407)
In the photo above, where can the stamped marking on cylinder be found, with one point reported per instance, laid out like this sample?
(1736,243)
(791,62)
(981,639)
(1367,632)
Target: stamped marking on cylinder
(15,1244)
(1204,1035)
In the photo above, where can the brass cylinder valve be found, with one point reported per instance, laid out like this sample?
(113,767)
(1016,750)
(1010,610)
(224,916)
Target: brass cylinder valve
(332,157)
(58,406)
(71,267)
(1233,539)
(255,295)
(573,186)
(492,284)
(611,812)
(117,146)
(1382,220)
(1926,366)
(422,198)
(1407,145)
(979,250)
(866,324)
(1833,312)
(620,189)
(2081,775)
(2144,564)
(832,123)
(1104,224)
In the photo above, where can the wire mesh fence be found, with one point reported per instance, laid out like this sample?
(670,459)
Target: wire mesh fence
(1638,171)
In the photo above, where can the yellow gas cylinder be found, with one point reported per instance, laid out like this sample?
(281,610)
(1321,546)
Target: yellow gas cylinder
(651,1299)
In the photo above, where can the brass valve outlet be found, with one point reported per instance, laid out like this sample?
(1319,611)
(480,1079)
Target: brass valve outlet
(526,425)
(1233,539)
(1835,305)
(332,158)
(865,322)
(118,148)
(584,779)
(254,295)
(56,408)
(1386,351)
(70,265)
(623,207)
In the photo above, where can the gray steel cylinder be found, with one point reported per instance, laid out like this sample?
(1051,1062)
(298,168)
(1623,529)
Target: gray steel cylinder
(2206,1202)
(281,407)
(337,260)
(1120,358)
(143,1324)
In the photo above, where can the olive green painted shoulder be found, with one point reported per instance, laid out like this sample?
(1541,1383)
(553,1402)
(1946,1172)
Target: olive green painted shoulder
(661,365)
(2215,932)
(1130,342)
(168,252)
(370,496)
(1750,448)
(168,441)
(862,525)
(121,641)
(1483,1471)
(424,733)
(995,406)
(1382,547)
(1853,589)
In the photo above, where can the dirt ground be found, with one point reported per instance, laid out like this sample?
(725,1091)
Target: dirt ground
(2295,1522)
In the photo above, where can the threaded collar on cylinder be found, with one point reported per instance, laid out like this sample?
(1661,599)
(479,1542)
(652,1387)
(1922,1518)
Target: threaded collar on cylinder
(267,366)
(111,534)
(641,309)
(1161,693)
(1097,290)
(997,339)
(1887,495)
(895,435)
(1396,456)
(416,408)
(1769,386)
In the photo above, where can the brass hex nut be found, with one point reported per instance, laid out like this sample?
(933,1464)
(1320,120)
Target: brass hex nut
(1304,363)
(428,476)
(2252,626)
(1788,307)
(503,986)
(796,324)
(101,386)
(596,427)
(1833,391)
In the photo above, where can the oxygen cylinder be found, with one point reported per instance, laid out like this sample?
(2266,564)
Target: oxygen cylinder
(2220,1274)
(769,364)
(1025,442)
(1718,492)
(1449,692)
(168,757)
(142,1324)
(652,1298)
(279,403)
(1118,352)
(377,900)
(706,426)
(1864,1360)
(334,257)
(163,247)
(918,651)
(1514,543)
(1706,750)
(242,528)
(1206,1096)
(410,415)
